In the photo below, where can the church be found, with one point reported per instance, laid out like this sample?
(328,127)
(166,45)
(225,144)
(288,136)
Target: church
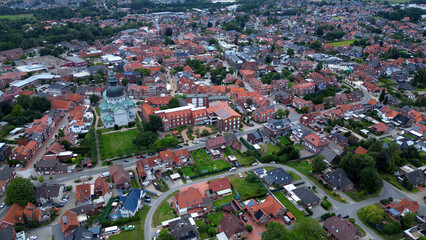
(116,108)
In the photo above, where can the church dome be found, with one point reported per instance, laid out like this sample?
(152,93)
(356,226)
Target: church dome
(114,90)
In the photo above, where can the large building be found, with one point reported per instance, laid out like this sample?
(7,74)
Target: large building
(116,108)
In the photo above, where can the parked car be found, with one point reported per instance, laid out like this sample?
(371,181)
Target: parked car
(2,205)
(287,220)
(18,165)
(244,218)
(60,205)
(165,177)
(203,140)
(64,201)
(240,175)
(129,227)
(32,238)
(126,160)
(254,164)
(148,200)
(251,124)
(139,157)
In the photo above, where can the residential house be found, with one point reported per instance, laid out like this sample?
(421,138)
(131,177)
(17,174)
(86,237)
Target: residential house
(192,201)
(233,227)
(361,150)
(402,121)
(255,137)
(302,89)
(7,174)
(315,143)
(284,97)
(181,157)
(278,127)
(379,127)
(69,223)
(220,187)
(330,155)
(5,150)
(339,99)
(119,177)
(415,178)
(216,143)
(300,103)
(51,167)
(263,212)
(101,189)
(407,206)
(232,141)
(338,180)
(49,194)
(355,96)
(264,114)
(307,196)
(278,177)
(340,229)
(166,157)
(83,194)
(184,228)
(131,203)
(339,139)
(15,215)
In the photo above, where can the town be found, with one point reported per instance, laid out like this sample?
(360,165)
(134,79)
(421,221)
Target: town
(220,120)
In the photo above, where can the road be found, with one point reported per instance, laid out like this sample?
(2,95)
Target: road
(350,209)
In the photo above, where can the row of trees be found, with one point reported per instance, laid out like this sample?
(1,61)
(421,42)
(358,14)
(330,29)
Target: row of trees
(305,228)
(26,109)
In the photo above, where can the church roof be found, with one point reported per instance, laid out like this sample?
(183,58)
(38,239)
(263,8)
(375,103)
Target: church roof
(114,90)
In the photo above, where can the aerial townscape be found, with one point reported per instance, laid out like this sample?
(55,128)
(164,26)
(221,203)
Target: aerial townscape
(212,119)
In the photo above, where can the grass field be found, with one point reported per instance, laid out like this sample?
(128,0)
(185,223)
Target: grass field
(134,183)
(17,16)
(301,166)
(203,235)
(138,232)
(392,180)
(290,207)
(246,189)
(224,200)
(341,43)
(204,163)
(284,140)
(188,172)
(245,161)
(165,213)
(215,218)
(294,175)
(386,140)
(272,149)
(118,144)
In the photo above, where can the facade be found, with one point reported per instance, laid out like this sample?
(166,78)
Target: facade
(279,127)
(116,108)
(7,174)
(315,143)
(264,114)
(49,194)
(338,180)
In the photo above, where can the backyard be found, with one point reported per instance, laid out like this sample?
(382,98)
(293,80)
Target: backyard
(271,149)
(247,189)
(392,180)
(215,218)
(341,43)
(244,161)
(290,207)
(118,144)
(284,140)
(165,213)
(224,200)
(205,164)
(138,232)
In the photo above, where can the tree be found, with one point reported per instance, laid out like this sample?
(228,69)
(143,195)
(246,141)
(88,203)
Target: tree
(385,102)
(382,161)
(173,102)
(286,112)
(369,180)
(408,220)
(270,158)
(165,235)
(308,228)
(382,96)
(168,32)
(290,52)
(249,227)
(125,81)
(318,164)
(280,113)
(155,123)
(166,142)
(94,99)
(316,45)
(392,228)
(24,101)
(144,139)
(318,68)
(66,144)
(372,214)
(212,231)
(354,163)
(20,190)
(275,230)
(41,178)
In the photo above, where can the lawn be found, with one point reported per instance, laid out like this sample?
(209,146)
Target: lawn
(341,43)
(301,166)
(290,207)
(247,189)
(98,111)
(386,140)
(272,149)
(205,164)
(245,161)
(118,144)
(138,232)
(294,175)
(284,140)
(17,16)
(269,168)
(395,236)
(188,172)
(134,183)
(224,200)
(215,218)
(165,213)
(354,194)
(203,235)
(392,180)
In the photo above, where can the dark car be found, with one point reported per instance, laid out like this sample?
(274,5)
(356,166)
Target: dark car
(251,124)
(60,205)
(244,218)
(148,200)
(150,154)
(126,160)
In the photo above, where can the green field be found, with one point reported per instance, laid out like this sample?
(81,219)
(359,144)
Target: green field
(215,218)
(138,232)
(165,213)
(245,161)
(294,176)
(205,164)
(289,206)
(341,43)
(386,140)
(284,140)
(118,144)
(17,16)
(301,166)
(224,200)
(246,189)
(272,149)
(188,172)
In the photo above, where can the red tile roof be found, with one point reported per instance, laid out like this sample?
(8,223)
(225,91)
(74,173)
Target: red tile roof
(220,184)
(188,198)
(361,150)
(316,140)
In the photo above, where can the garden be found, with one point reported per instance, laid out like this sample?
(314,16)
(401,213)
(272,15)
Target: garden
(249,187)
(118,144)
(204,164)
(244,161)
(289,206)
(166,212)
(224,200)
(138,232)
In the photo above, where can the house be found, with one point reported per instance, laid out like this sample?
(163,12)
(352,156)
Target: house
(86,210)
(340,229)
(131,203)
(233,227)
(81,233)
(338,180)
(284,97)
(264,114)
(402,121)
(302,89)
(232,141)
(166,157)
(262,212)
(339,99)
(407,206)
(7,174)
(181,157)
(379,127)
(221,187)
(191,201)
(361,150)
(255,137)
(184,228)
(307,196)
(330,155)
(101,189)
(119,177)
(339,139)
(50,167)
(278,177)
(278,127)
(216,143)
(315,143)
(8,234)
(415,178)
(15,215)
(49,194)
(355,96)
(83,194)
(5,150)
(300,103)
(69,223)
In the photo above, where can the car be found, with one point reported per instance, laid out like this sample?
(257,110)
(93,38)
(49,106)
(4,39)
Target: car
(139,157)
(273,162)
(2,205)
(32,238)
(251,124)
(255,164)
(150,154)
(165,177)
(148,200)
(244,218)
(129,227)
(18,165)
(287,220)
(203,140)
(66,197)
(240,175)
(63,201)
(126,160)
(60,205)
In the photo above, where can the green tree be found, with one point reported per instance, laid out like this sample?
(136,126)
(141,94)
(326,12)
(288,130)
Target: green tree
(165,235)
(372,214)
(308,228)
(385,102)
(275,230)
(24,101)
(144,139)
(382,96)
(280,113)
(369,180)
(318,164)
(249,227)
(290,52)
(166,142)
(168,32)
(408,220)
(20,190)
(98,78)
(124,81)
(316,45)
(319,67)
(154,124)
(41,179)
(174,102)
(94,99)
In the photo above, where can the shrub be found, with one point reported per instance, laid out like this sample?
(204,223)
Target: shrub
(249,227)
(41,178)
(309,211)
(391,228)
(352,220)
(327,215)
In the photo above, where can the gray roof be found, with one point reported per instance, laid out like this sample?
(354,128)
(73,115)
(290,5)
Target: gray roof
(230,138)
(47,191)
(329,154)
(416,177)
(277,176)
(7,234)
(183,229)
(306,195)
(338,178)
(6,173)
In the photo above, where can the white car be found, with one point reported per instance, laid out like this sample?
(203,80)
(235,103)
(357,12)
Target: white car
(32,238)
(254,164)
(18,165)
(2,205)
(64,201)
(240,175)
